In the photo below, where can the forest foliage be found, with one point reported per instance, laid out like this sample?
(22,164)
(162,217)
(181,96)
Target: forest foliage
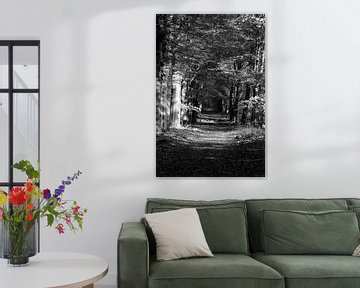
(210,57)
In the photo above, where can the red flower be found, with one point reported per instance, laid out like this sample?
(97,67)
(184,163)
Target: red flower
(29,187)
(29,206)
(17,196)
(27,196)
(75,209)
(29,217)
(68,219)
(60,228)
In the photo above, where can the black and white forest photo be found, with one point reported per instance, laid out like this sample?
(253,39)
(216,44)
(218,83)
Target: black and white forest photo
(210,95)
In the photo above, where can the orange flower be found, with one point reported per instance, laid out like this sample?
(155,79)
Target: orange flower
(29,217)
(29,206)
(29,187)
(27,196)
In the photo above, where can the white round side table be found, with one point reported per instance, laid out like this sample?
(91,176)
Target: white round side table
(54,270)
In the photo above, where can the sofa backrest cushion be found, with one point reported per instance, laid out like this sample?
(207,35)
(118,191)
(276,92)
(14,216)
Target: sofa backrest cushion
(353,202)
(298,232)
(354,205)
(223,221)
(255,206)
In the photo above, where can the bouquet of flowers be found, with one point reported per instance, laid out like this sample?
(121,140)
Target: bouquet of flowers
(23,206)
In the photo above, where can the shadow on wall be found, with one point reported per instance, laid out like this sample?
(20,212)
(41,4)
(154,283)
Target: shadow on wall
(73,88)
(77,18)
(67,76)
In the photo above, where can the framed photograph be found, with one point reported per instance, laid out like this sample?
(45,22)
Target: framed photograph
(210,95)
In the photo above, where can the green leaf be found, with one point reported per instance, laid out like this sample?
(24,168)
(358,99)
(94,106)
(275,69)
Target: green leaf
(52,211)
(26,167)
(79,221)
(50,219)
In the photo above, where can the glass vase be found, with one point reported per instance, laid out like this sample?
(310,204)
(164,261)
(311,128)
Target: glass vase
(18,242)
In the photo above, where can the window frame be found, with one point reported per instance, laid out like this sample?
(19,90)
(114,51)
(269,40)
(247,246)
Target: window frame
(10,91)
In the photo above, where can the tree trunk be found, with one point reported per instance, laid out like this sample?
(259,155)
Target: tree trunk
(231,103)
(236,103)
(245,109)
(163,73)
(176,101)
(262,67)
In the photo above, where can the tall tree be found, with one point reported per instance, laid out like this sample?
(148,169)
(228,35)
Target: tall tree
(223,55)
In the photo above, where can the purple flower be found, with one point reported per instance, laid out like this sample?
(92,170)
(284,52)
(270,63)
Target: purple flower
(46,194)
(68,181)
(58,192)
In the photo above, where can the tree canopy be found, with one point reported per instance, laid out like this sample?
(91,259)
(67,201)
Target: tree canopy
(202,58)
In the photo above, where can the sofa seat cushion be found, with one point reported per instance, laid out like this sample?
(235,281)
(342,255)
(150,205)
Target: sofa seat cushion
(313,271)
(222,270)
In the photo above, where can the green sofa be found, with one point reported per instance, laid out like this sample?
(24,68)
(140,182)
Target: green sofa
(234,232)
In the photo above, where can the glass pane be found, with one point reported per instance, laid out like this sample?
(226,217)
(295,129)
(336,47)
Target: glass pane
(26,67)
(5,189)
(4,67)
(26,130)
(4,137)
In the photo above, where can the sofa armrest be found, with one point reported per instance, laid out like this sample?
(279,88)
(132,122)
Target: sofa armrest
(133,256)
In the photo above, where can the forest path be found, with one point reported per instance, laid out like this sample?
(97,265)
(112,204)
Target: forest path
(211,147)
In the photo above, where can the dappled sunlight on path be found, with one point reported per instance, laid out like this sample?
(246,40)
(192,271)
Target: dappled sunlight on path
(211,147)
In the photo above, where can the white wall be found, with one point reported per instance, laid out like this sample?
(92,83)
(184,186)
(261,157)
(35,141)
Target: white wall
(98,105)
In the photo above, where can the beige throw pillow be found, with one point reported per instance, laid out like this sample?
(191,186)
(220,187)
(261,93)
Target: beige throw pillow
(357,251)
(178,234)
